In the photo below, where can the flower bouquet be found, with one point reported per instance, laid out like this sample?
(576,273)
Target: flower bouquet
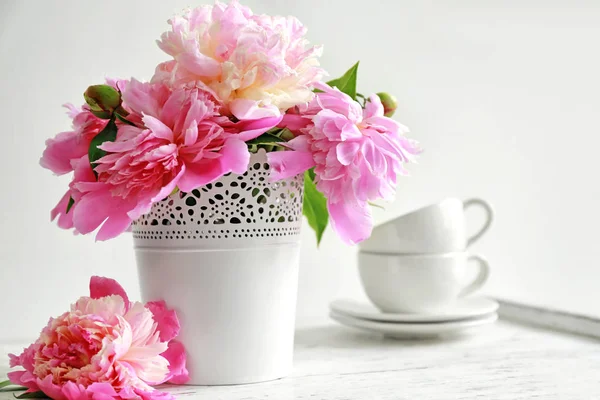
(213,161)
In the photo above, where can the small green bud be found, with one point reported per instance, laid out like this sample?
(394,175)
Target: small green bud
(389,103)
(103,100)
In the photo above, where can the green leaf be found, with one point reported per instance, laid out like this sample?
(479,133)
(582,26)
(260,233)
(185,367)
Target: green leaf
(347,83)
(13,389)
(266,138)
(69,205)
(122,119)
(32,395)
(108,134)
(315,206)
(5,384)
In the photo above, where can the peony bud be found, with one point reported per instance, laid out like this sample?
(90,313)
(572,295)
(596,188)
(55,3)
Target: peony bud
(103,100)
(389,103)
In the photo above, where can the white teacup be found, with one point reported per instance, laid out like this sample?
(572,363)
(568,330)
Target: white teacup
(438,228)
(419,283)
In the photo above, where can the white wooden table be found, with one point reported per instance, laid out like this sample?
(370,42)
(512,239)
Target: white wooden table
(502,361)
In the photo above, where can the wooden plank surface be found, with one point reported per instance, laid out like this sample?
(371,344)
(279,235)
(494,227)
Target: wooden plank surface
(502,361)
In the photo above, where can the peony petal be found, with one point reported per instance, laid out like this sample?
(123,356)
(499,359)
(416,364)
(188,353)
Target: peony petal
(95,207)
(65,220)
(386,124)
(198,174)
(106,307)
(50,389)
(102,391)
(287,164)
(158,128)
(138,96)
(24,378)
(168,324)
(74,391)
(199,64)
(175,355)
(245,109)
(373,107)
(235,156)
(350,131)
(172,107)
(191,134)
(114,226)
(299,143)
(83,170)
(346,152)
(102,287)
(146,395)
(26,359)
(351,221)
(61,150)
(374,159)
(295,122)
(167,189)
(251,129)
(163,73)
(91,211)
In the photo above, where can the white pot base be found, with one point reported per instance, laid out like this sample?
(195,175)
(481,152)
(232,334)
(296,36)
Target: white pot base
(236,308)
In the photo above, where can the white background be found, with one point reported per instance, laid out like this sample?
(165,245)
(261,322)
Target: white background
(503,95)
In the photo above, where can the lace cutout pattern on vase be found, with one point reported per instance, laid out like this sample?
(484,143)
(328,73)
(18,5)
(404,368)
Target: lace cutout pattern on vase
(236,207)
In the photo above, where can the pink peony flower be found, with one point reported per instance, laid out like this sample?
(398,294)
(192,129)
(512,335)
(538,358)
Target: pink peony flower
(357,155)
(82,173)
(105,347)
(66,147)
(256,65)
(182,143)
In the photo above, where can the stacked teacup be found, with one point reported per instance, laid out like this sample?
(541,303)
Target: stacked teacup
(416,270)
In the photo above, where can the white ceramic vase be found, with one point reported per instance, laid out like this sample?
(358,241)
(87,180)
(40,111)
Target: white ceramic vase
(225,257)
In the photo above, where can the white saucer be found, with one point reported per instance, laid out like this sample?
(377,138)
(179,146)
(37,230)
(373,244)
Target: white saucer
(470,307)
(413,331)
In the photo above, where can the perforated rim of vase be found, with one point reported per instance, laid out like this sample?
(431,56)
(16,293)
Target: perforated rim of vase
(236,211)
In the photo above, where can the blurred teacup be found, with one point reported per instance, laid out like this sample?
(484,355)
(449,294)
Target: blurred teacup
(438,228)
(423,283)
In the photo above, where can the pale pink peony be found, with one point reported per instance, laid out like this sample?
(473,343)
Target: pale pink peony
(357,155)
(256,65)
(181,142)
(105,347)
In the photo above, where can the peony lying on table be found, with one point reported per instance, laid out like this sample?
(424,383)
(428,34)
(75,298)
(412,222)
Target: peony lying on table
(105,347)
(236,82)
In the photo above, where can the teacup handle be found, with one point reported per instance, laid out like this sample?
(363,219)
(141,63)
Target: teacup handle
(482,276)
(489,217)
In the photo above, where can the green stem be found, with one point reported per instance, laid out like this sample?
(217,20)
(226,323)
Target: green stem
(376,205)
(362,96)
